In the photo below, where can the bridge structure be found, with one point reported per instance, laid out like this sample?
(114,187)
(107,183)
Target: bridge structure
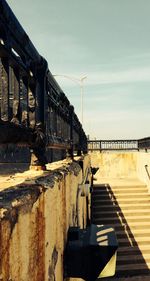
(36,116)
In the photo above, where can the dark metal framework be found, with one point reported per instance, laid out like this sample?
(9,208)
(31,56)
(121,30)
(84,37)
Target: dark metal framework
(102,145)
(34,111)
(144,143)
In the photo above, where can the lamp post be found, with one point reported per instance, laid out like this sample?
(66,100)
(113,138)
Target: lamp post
(80,82)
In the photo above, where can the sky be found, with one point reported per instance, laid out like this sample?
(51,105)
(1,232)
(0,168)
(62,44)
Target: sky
(108,41)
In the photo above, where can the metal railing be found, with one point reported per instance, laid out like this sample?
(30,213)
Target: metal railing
(102,145)
(34,111)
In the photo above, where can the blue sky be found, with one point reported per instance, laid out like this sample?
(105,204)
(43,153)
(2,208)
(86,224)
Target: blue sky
(109,42)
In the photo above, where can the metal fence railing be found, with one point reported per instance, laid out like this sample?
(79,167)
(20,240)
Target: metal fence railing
(102,145)
(34,111)
(112,145)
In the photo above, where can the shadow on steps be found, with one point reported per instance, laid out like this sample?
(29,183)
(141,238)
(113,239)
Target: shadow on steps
(110,206)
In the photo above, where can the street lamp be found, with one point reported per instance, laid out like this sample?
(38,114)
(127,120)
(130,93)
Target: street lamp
(80,82)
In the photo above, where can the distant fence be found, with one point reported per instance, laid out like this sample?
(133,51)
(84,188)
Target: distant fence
(102,145)
(34,111)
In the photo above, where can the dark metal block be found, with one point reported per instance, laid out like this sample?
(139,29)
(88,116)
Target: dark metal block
(88,251)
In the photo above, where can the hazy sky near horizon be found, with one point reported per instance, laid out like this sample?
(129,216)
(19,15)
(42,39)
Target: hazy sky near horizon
(109,42)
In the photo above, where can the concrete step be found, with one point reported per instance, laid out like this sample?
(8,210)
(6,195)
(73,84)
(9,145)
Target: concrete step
(133,268)
(126,213)
(122,201)
(120,191)
(126,250)
(136,233)
(133,258)
(122,207)
(118,186)
(122,218)
(119,226)
(120,196)
(133,242)
(131,278)
(129,204)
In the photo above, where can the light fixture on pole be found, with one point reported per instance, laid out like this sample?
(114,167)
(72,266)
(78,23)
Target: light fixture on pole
(80,82)
(82,94)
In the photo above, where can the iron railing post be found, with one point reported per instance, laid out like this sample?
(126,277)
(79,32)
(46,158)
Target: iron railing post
(100,146)
(70,151)
(38,149)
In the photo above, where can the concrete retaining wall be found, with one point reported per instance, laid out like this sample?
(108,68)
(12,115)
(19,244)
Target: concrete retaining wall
(114,164)
(35,217)
(122,165)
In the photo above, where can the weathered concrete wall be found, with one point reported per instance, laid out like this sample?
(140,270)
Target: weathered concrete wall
(35,217)
(122,165)
(114,164)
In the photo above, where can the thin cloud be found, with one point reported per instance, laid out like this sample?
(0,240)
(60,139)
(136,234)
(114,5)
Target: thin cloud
(119,77)
(140,74)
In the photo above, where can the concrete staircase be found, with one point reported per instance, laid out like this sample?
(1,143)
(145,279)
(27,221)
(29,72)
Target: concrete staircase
(127,209)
